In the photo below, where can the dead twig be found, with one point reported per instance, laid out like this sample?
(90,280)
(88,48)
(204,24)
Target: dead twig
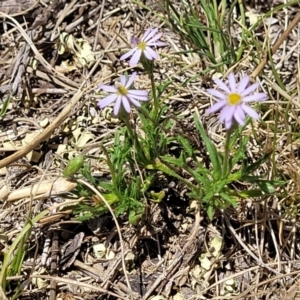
(282,38)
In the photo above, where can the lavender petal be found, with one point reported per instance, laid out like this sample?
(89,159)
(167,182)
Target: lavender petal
(155,38)
(139,98)
(217,94)
(150,53)
(222,85)
(123,80)
(138,93)
(254,98)
(125,103)
(107,100)
(107,88)
(229,114)
(228,124)
(117,105)
(250,89)
(223,114)
(136,103)
(146,34)
(251,112)
(130,80)
(216,107)
(232,82)
(135,58)
(239,115)
(129,53)
(243,83)
(150,35)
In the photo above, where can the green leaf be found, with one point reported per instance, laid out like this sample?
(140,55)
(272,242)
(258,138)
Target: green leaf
(266,186)
(157,197)
(200,178)
(111,198)
(73,166)
(240,153)
(186,145)
(158,165)
(250,193)
(179,162)
(253,167)
(219,185)
(210,212)
(228,199)
(213,154)
(209,195)
(4,106)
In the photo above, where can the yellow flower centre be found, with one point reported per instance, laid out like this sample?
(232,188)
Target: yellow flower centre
(142,45)
(234,99)
(122,90)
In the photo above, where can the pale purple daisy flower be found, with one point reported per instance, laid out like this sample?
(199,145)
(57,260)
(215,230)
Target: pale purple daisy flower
(233,100)
(122,96)
(143,46)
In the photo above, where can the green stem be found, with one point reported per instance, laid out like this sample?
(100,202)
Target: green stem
(135,140)
(129,129)
(226,151)
(110,165)
(155,100)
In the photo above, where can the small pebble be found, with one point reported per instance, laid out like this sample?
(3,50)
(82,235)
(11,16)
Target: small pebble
(44,123)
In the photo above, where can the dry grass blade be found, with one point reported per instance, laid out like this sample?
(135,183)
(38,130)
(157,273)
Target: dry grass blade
(280,40)
(82,284)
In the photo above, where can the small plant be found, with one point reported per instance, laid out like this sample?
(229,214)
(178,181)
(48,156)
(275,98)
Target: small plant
(144,148)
